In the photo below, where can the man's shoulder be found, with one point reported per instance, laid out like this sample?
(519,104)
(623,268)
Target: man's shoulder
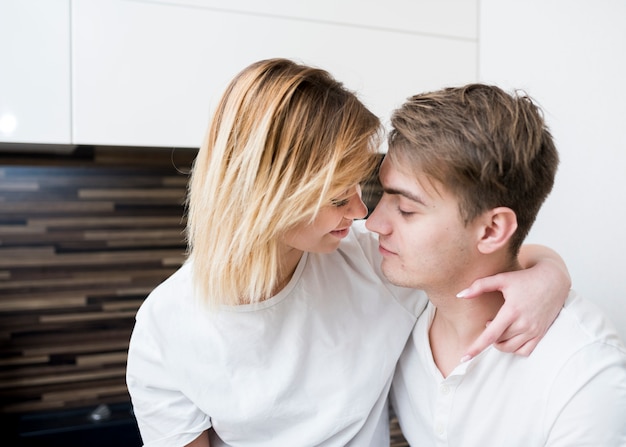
(581,327)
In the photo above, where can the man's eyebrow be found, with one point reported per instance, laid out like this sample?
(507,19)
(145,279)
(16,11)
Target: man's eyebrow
(404,193)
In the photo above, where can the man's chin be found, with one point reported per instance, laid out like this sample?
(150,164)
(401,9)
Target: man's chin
(393,277)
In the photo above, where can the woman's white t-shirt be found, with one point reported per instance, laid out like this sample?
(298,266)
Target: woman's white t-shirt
(312,366)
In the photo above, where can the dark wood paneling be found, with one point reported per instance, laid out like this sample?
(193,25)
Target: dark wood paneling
(83,239)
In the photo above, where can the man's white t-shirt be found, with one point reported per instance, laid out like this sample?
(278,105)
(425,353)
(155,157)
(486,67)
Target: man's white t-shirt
(571,391)
(312,366)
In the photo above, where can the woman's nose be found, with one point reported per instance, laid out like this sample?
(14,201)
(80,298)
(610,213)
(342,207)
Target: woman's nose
(357,208)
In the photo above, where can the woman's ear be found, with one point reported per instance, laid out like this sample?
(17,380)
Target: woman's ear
(498,225)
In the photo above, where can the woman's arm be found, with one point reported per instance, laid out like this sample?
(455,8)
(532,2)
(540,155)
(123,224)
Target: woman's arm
(533,299)
(200,441)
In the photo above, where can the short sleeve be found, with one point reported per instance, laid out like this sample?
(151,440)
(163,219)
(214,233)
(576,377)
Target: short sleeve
(165,416)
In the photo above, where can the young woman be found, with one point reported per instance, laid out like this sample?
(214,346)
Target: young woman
(281,329)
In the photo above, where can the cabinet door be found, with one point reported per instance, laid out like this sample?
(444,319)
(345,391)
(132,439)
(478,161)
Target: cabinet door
(149,73)
(35,71)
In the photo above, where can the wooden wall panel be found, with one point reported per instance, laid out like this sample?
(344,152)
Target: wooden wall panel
(83,239)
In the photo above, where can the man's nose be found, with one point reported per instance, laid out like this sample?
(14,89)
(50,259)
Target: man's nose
(376,222)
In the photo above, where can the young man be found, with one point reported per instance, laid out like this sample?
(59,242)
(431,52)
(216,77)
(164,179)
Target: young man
(466,173)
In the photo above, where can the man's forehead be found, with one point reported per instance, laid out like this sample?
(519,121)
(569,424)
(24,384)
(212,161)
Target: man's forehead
(398,178)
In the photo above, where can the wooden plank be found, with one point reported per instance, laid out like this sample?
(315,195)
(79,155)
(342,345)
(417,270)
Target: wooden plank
(21,229)
(99,178)
(149,274)
(173,261)
(151,235)
(106,221)
(102,359)
(77,347)
(127,243)
(134,291)
(65,282)
(86,316)
(74,279)
(11,254)
(23,360)
(175,181)
(18,186)
(66,377)
(106,290)
(22,304)
(113,194)
(122,305)
(83,240)
(32,406)
(62,367)
(91,393)
(164,257)
(55,207)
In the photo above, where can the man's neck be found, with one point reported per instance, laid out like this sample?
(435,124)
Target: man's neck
(456,325)
(458,322)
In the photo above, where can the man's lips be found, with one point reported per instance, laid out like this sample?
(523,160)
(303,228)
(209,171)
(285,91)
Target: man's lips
(385,251)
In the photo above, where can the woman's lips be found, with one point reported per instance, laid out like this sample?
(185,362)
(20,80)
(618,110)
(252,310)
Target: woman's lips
(341,233)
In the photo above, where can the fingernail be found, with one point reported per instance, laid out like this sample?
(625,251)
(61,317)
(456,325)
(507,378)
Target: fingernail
(466,358)
(462,293)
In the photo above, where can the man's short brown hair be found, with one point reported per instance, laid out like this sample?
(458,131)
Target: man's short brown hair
(486,146)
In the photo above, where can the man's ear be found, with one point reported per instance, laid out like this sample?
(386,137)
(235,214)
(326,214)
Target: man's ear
(498,225)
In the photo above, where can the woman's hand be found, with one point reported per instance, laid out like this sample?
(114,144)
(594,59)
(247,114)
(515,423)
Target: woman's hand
(533,299)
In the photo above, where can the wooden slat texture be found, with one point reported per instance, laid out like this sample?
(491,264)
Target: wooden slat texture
(13,361)
(19,186)
(101,359)
(106,222)
(99,258)
(56,207)
(83,240)
(60,375)
(93,393)
(77,348)
(395,432)
(37,303)
(124,194)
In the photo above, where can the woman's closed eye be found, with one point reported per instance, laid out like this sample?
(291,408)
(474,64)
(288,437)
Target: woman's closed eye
(339,202)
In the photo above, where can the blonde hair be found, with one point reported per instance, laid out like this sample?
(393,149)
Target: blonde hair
(284,141)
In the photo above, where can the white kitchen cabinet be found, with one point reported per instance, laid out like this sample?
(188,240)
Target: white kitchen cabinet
(148,73)
(35,71)
(449,18)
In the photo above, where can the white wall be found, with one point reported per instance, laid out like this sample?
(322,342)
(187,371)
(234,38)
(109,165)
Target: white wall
(570,55)
(150,72)
(35,71)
